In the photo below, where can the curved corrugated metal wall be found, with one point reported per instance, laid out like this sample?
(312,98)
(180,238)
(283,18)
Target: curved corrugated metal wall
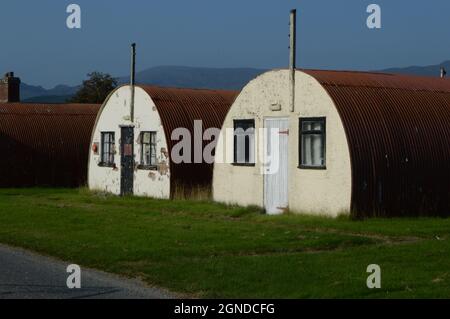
(45,144)
(398,131)
(179,108)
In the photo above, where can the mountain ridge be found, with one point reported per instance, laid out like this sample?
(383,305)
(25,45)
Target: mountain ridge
(194,77)
(427,70)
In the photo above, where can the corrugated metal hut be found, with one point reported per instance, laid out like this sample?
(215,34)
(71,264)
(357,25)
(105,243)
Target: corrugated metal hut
(134,155)
(42,144)
(369,144)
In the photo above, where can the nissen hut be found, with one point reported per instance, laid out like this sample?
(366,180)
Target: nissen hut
(136,132)
(42,144)
(365,144)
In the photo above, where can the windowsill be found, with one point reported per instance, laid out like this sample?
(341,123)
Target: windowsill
(244,164)
(112,165)
(312,167)
(147,167)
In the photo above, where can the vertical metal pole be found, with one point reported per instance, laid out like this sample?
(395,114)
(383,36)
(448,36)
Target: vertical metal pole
(132,80)
(292,56)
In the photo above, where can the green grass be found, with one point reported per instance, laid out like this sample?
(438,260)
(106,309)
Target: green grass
(205,249)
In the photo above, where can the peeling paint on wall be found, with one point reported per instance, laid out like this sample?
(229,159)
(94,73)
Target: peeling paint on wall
(115,113)
(152,176)
(163,168)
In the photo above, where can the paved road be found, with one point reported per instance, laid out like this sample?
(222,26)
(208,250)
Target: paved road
(27,275)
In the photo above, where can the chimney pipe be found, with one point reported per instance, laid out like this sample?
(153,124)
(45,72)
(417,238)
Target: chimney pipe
(443,73)
(9,89)
(292,56)
(132,80)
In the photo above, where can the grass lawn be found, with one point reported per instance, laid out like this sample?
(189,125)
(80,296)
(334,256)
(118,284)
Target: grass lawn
(204,249)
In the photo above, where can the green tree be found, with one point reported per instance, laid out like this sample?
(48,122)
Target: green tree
(96,89)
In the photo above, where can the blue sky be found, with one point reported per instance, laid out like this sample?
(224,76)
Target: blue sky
(37,45)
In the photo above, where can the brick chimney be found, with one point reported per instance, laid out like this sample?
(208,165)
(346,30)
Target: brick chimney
(9,88)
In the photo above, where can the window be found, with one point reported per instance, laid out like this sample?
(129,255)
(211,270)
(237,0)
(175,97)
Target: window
(148,150)
(312,143)
(244,142)
(108,149)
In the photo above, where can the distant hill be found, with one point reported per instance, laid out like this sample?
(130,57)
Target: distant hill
(171,76)
(193,77)
(28,92)
(429,70)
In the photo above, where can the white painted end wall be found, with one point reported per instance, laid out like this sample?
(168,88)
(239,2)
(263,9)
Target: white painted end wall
(324,192)
(114,113)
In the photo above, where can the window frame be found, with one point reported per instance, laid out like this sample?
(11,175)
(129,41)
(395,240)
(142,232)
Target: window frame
(235,162)
(141,165)
(112,149)
(323,133)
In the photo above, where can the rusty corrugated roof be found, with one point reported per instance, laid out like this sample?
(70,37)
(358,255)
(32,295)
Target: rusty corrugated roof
(45,144)
(179,108)
(398,130)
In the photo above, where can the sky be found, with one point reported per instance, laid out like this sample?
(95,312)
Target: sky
(332,34)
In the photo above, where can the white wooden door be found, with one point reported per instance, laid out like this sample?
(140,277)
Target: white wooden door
(276,165)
